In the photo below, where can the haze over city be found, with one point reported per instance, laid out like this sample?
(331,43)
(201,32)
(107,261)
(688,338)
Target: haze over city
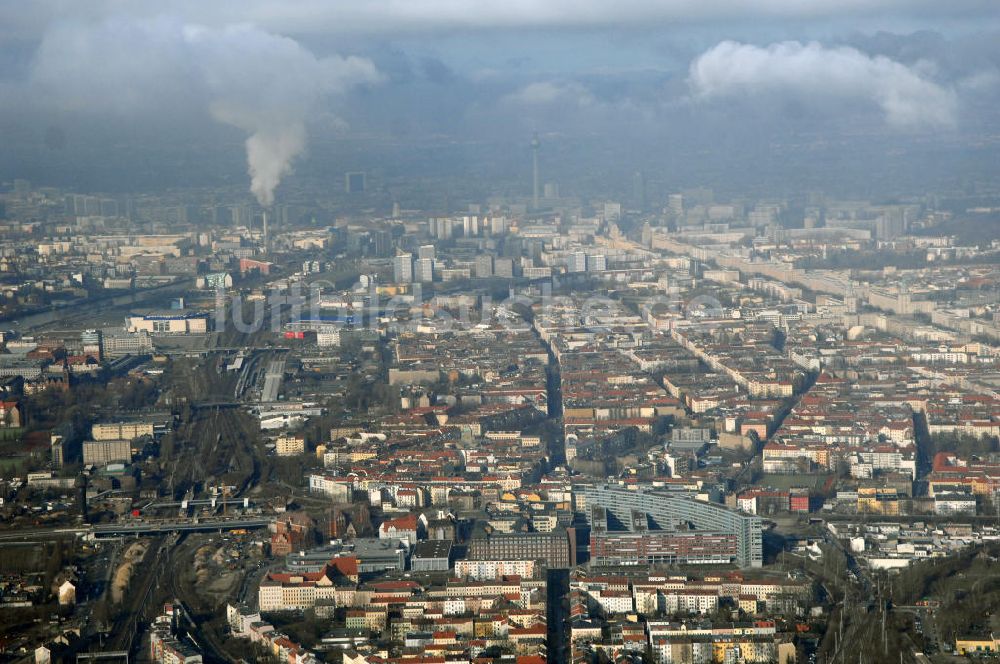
(441,332)
(791,92)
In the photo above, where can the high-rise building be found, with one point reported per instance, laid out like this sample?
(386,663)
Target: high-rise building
(91,342)
(92,206)
(484,266)
(426,251)
(503,267)
(638,201)
(470,226)
(534,171)
(612,211)
(58,450)
(354,183)
(577,262)
(647,235)
(597,263)
(402,268)
(675,204)
(443,227)
(109,207)
(423,270)
(383,242)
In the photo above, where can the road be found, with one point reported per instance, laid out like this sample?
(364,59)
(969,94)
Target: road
(159,527)
(40,534)
(557,608)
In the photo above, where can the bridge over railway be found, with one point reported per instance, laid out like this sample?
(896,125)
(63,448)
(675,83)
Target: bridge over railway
(165,526)
(209,405)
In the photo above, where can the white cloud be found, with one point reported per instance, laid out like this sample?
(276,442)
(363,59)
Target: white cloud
(810,72)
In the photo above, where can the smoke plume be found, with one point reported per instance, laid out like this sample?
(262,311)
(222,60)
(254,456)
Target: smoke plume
(264,84)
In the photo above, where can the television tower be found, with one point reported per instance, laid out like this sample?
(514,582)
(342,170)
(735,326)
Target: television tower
(534,162)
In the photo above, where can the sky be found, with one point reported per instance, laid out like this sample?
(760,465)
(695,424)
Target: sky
(820,91)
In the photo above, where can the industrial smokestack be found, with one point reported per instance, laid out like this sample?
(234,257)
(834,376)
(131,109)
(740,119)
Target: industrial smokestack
(266,246)
(81,496)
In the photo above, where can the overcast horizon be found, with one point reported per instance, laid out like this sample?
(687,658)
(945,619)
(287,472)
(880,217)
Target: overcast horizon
(694,93)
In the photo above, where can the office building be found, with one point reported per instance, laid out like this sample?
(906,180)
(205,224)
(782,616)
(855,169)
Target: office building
(556,549)
(124,343)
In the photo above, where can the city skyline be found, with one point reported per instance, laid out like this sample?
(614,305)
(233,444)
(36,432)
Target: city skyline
(535,332)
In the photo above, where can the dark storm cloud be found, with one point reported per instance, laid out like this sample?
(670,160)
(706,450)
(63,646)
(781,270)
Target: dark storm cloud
(969,54)
(395,16)
(431,63)
(436,71)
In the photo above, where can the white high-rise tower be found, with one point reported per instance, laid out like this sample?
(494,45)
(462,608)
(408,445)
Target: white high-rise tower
(534,162)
